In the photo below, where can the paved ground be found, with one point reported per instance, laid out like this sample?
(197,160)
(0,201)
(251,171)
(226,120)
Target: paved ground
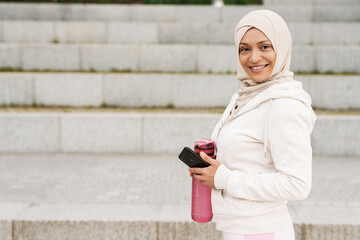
(155,180)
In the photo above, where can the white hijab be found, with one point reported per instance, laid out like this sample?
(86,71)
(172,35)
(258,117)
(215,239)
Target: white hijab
(276,30)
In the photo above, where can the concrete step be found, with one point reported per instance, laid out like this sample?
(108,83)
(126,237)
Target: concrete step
(166,57)
(164,32)
(171,13)
(89,196)
(145,132)
(158,90)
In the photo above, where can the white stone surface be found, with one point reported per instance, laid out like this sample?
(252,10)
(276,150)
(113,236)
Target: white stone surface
(303,59)
(61,57)
(8,211)
(68,90)
(338,59)
(28,31)
(16,89)
(138,90)
(336,33)
(27,133)
(336,135)
(9,56)
(154,13)
(132,32)
(183,33)
(80,32)
(221,33)
(1,32)
(197,13)
(107,12)
(217,59)
(109,57)
(118,133)
(336,12)
(332,91)
(164,133)
(203,90)
(301,32)
(168,58)
(235,13)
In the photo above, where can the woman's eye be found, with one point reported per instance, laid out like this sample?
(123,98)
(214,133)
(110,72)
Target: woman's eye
(264,47)
(243,50)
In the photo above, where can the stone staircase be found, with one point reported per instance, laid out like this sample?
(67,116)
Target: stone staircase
(110,87)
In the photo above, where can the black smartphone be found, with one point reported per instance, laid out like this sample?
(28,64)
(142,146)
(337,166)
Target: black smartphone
(192,159)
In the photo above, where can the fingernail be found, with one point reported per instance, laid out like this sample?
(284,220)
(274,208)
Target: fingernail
(202,153)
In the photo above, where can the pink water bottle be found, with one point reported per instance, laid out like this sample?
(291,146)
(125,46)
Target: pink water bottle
(201,210)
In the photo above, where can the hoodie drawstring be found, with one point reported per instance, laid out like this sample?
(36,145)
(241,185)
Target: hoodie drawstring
(266,127)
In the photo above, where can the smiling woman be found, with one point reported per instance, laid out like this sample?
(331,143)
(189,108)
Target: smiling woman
(262,139)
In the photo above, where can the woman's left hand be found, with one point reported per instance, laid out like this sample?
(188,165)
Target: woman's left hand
(206,175)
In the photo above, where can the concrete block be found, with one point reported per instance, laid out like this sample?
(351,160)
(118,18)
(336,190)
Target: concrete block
(301,32)
(101,133)
(217,59)
(8,212)
(109,57)
(233,14)
(158,13)
(84,230)
(338,59)
(337,33)
(161,90)
(188,231)
(336,135)
(184,33)
(71,12)
(168,58)
(9,56)
(1,32)
(336,12)
(41,12)
(300,13)
(164,133)
(80,32)
(197,14)
(75,90)
(27,133)
(327,91)
(128,32)
(303,59)
(87,221)
(203,90)
(221,33)
(16,89)
(138,90)
(28,31)
(60,57)
(107,12)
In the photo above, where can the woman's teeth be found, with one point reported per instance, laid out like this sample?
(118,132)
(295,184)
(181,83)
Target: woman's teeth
(260,67)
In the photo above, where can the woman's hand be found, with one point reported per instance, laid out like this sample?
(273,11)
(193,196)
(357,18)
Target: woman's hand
(206,175)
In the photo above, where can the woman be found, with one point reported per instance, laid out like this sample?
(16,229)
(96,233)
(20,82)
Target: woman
(263,138)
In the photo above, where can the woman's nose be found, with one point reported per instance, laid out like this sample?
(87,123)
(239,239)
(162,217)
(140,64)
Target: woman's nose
(255,56)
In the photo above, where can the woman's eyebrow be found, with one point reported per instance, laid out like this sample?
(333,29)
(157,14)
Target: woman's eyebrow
(242,43)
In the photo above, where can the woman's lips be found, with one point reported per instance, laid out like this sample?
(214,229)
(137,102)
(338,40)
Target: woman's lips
(258,68)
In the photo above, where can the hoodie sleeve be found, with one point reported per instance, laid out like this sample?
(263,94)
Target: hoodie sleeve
(289,127)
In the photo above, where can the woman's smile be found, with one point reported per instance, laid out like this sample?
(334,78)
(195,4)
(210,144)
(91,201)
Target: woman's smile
(258,68)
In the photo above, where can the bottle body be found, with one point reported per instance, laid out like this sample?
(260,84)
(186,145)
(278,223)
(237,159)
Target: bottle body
(201,210)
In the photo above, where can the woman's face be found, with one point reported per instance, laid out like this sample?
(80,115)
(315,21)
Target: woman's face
(257,55)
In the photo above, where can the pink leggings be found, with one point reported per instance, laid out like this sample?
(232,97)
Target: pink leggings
(285,234)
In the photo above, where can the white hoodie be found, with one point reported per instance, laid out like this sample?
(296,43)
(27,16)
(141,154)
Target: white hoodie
(266,160)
